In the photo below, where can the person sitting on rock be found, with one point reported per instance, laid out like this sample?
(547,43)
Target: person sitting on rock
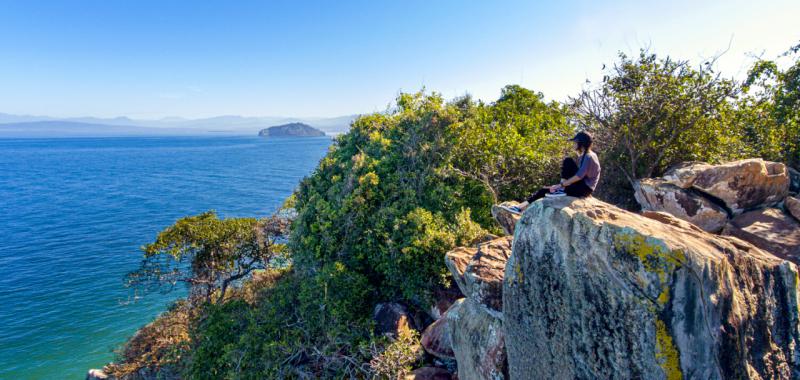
(577,179)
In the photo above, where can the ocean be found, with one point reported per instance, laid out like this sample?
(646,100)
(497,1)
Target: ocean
(74,212)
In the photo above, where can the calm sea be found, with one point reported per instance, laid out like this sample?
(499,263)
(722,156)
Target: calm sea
(73,213)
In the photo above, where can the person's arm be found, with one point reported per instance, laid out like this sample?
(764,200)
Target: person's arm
(579,175)
(570,181)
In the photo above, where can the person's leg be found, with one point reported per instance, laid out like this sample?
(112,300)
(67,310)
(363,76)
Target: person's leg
(568,168)
(538,195)
(578,189)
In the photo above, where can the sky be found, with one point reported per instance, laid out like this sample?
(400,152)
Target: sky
(154,59)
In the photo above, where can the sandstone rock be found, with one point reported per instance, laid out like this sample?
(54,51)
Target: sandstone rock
(429,373)
(483,277)
(667,218)
(390,318)
(658,195)
(769,229)
(593,291)
(456,261)
(792,205)
(479,271)
(96,374)
(437,340)
(478,341)
(742,185)
(505,218)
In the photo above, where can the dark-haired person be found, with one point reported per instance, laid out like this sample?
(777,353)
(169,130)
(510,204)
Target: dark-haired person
(578,178)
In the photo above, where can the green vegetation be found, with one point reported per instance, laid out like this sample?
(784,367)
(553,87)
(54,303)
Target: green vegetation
(372,223)
(771,111)
(209,253)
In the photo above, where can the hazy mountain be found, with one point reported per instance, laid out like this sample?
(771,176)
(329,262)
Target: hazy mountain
(45,126)
(61,128)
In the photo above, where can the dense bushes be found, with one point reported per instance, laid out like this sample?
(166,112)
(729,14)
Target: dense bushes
(650,113)
(770,112)
(373,223)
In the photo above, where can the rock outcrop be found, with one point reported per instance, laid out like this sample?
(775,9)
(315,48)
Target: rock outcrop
(478,341)
(437,339)
(471,331)
(593,291)
(741,185)
(659,195)
(792,205)
(769,229)
(505,218)
(96,374)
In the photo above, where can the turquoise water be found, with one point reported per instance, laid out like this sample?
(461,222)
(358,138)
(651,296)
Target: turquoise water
(73,213)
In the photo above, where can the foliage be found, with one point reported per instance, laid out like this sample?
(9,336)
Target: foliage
(158,347)
(384,205)
(650,113)
(209,253)
(770,114)
(514,145)
(396,360)
(291,331)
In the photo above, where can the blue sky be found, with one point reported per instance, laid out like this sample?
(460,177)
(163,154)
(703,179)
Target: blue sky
(151,59)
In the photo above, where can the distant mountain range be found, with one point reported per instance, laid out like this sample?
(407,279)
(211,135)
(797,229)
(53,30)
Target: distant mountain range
(44,126)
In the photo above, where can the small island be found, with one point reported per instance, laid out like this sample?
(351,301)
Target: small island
(291,130)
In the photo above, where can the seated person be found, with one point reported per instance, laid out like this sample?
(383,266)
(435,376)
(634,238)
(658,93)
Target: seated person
(578,179)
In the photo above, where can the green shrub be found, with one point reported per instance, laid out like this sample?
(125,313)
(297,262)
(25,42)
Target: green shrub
(770,111)
(650,113)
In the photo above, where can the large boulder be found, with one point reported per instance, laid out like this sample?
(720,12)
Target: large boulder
(659,195)
(483,277)
(769,229)
(479,271)
(741,185)
(457,260)
(593,291)
(505,218)
(478,341)
(437,339)
(792,205)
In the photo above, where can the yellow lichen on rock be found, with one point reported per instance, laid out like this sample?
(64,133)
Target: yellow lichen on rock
(666,353)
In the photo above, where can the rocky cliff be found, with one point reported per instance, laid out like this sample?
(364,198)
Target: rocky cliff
(584,289)
(593,291)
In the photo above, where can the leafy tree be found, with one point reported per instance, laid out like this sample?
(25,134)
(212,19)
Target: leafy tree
(650,113)
(514,145)
(209,253)
(771,112)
